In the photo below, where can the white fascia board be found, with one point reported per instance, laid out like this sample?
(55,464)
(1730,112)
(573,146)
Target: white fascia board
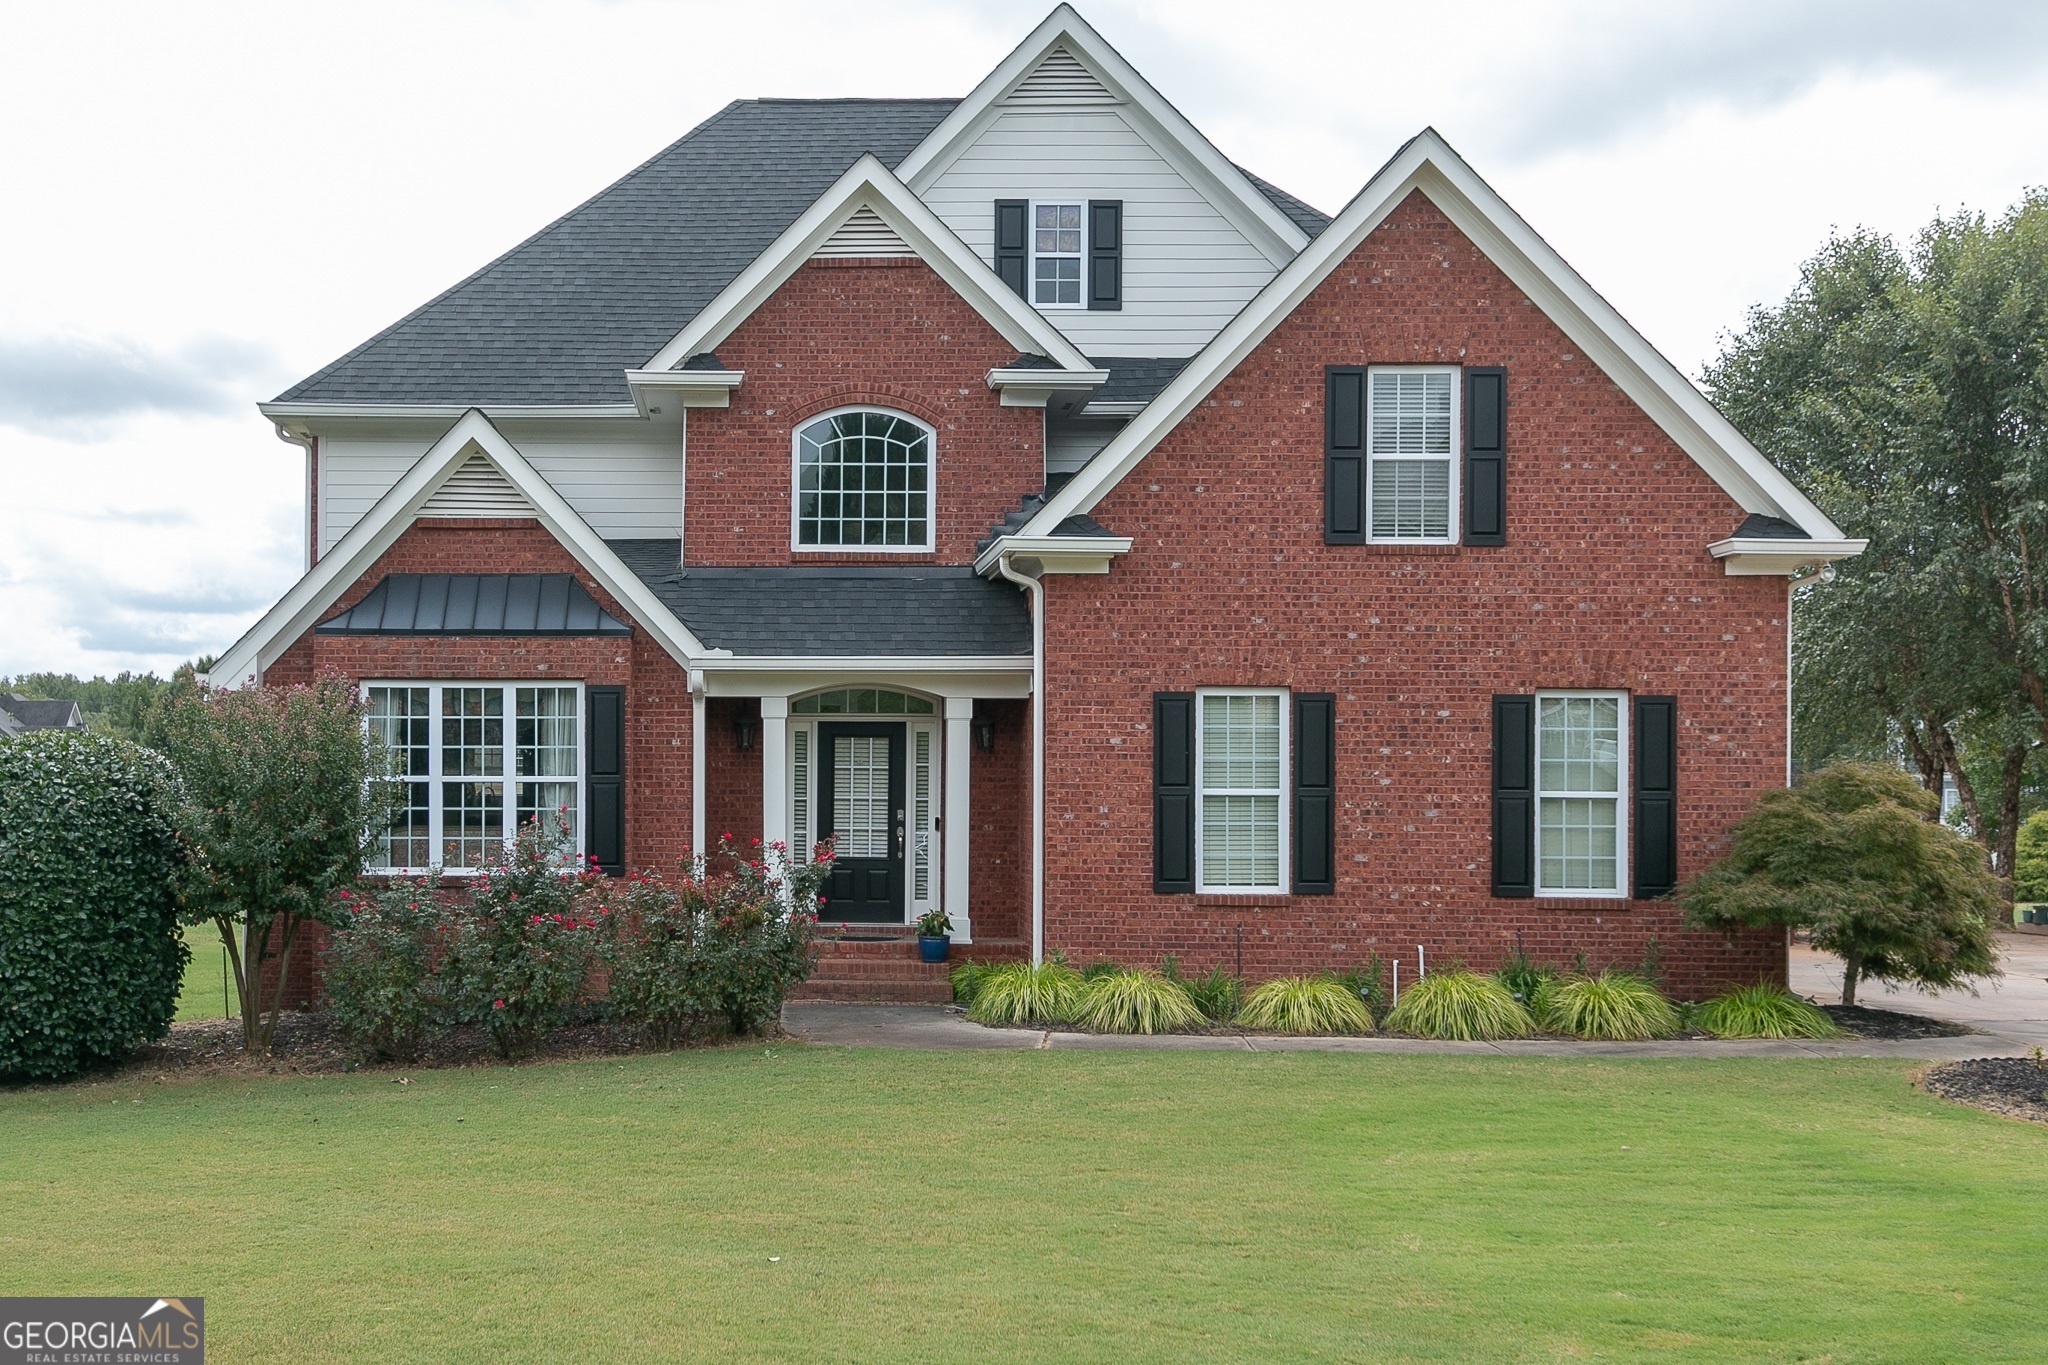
(1179,141)
(1055,554)
(689,388)
(1035,388)
(871,184)
(1756,556)
(1428,164)
(297,414)
(388,519)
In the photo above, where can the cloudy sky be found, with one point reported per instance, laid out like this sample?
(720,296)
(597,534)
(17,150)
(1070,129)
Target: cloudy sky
(207,201)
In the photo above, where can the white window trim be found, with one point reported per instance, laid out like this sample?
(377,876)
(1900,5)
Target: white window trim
(1457,457)
(434,776)
(931,486)
(1203,791)
(1622,867)
(1031,257)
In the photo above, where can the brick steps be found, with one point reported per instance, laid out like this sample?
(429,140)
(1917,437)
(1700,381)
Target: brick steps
(883,967)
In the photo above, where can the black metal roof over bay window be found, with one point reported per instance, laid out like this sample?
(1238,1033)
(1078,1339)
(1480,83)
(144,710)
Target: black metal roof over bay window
(476,604)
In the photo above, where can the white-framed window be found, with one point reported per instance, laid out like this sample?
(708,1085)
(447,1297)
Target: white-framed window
(1412,453)
(474,761)
(1241,795)
(863,481)
(1059,249)
(1581,779)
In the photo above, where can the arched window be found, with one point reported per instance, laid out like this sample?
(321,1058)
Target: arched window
(863,481)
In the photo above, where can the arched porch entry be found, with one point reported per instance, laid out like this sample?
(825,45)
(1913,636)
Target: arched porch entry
(865,771)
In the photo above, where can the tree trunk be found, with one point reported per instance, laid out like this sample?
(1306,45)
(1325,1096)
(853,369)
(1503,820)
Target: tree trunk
(1926,760)
(1852,971)
(2011,777)
(288,932)
(1945,745)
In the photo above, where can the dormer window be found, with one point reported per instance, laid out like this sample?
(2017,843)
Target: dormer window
(863,482)
(1057,247)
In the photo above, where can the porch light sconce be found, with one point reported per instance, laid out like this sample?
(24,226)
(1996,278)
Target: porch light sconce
(984,735)
(743,733)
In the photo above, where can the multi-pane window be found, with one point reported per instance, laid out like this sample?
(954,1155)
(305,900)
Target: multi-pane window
(1056,250)
(454,759)
(1579,820)
(863,481)
(1411,444)
(1239,744)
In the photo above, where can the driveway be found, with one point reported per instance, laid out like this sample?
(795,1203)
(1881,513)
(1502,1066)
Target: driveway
(2014,1006)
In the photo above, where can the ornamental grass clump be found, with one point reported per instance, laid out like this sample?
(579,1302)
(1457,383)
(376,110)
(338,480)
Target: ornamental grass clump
(1613,1006)
(1216,993)
(1766,1010)
(1135,1001)
(1460,1005)
(1019,993)
(1306,1004)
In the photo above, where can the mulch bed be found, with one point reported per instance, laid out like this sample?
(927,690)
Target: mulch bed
(1869,1023)
(2014,1086)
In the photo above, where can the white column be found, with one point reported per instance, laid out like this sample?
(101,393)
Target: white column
(958,819)
(774,770)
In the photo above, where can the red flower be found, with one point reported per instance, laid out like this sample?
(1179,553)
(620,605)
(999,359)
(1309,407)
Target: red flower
(497,1004)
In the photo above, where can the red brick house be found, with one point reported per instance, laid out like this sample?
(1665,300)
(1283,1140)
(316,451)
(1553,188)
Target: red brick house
(1096,542)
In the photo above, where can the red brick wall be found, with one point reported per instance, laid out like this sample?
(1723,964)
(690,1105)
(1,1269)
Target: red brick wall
(999,885)
(1605,582)
(732,779)
(887,332)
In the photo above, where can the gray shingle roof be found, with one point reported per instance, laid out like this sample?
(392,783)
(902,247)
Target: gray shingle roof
(836,612)
(27,714)
(1135,379)
(559,318)
(1758,526)
(476,604)
(1309,220)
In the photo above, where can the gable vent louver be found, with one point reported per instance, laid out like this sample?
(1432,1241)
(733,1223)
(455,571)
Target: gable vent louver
(477,489)
(864,234)
(1061,79)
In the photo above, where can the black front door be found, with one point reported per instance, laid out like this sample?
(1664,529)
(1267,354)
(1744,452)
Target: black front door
(860,808)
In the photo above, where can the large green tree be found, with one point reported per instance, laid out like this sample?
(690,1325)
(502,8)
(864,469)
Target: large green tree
(1907,390)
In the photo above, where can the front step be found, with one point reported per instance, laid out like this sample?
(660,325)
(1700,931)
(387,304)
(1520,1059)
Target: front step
(885,967)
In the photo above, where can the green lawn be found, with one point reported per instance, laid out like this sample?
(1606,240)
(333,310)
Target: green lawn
(1050,1206)
(200,995)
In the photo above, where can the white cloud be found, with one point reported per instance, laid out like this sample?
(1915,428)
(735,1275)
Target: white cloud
(296,177)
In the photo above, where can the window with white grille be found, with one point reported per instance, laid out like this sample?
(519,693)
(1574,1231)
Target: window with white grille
(863,482)
(1058,245)
(1411,453)
(1240,828)
(1581,823)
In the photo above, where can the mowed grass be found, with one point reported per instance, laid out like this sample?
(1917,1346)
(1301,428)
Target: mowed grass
(206,992)
(797,1203)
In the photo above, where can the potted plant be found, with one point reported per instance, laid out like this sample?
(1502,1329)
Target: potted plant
(934,936)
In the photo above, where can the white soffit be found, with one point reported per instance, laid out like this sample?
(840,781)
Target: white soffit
(471,438)
(1035,64)
(869,184)
(1428,164)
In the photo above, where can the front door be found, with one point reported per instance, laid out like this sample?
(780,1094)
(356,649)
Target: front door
(861,809)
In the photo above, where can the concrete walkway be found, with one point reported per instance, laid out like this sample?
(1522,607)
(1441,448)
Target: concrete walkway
(2013,1006)
(943,1028)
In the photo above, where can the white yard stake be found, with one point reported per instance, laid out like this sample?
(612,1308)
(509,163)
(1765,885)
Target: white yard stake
(1396,996)
(1421,967)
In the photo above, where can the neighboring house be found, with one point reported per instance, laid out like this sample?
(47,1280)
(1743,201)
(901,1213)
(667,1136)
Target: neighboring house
(19,714)
(1097,542)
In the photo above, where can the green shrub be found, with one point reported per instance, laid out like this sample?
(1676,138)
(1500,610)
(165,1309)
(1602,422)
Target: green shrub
(1019,993)
(1614,1006)
(2030,859)
(1216,993)
(1135,1001)
(521,948)
(721,950)
(383,990)
(90,952)
(1524,978)
(1368,980)
(1095,971)
(967,979)
(1766,1010)
(1306,1004)
(1460,1005)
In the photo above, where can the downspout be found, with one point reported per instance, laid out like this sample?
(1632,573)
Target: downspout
(1035,590)
(697,767)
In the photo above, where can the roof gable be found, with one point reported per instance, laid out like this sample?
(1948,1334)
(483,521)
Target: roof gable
(1428,164)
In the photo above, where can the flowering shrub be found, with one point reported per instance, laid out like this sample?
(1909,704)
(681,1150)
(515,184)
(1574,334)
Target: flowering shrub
(716,948)
(524,942)
(384,990)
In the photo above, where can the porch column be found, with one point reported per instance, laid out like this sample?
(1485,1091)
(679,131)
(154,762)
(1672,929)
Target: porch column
(958,819)
(774,771)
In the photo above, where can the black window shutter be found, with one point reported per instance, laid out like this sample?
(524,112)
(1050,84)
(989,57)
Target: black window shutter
(1656,783)
(1514,796)
(1486,455)
(1344,455)
(1013,237)
(1173,791)
(605,776)
(1315,793)
(1105,255)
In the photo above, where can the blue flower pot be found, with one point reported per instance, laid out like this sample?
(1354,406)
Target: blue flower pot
(933,947)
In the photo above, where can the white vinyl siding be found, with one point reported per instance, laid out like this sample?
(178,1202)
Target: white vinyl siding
(1187,269)
(1241,806)
(474,762)
(1411,450)
(1581,775)
(1070,445)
